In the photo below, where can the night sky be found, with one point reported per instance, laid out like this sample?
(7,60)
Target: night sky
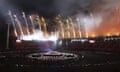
(50,8)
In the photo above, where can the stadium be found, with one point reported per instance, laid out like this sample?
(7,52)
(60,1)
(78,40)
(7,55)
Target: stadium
(68,37)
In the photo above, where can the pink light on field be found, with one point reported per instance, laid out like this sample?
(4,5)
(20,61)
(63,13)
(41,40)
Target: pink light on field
(18,41)
(91,41)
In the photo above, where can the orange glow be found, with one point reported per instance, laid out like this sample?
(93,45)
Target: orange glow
(46,34)
(87,35)
(108,34)
(63,35)
(117,34)
(93,35)
(110,25)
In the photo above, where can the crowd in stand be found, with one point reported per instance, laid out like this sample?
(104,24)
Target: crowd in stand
(111,44)
(100,44)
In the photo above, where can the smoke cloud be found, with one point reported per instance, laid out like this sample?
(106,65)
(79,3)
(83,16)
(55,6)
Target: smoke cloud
(96,16)
(110,24)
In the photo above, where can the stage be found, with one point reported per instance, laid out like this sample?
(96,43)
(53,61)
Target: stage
(76,61)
